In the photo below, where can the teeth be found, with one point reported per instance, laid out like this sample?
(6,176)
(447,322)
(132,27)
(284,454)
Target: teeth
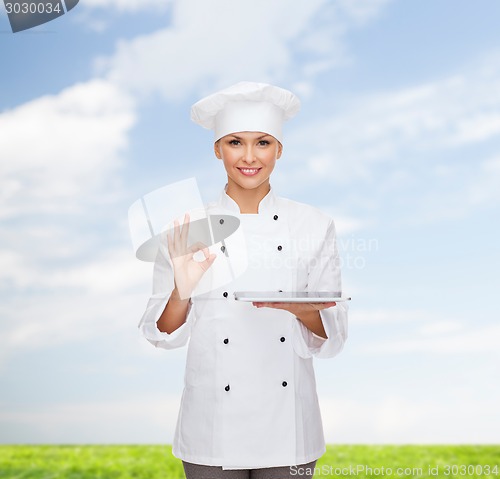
(247,170)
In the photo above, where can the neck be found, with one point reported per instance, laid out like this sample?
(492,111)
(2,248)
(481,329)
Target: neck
(247,200)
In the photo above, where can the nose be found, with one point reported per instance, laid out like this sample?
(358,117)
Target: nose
(249,154)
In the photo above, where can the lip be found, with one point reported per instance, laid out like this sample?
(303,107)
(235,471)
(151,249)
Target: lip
(249,171)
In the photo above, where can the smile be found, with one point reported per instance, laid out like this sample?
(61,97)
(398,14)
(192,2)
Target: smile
(249,171)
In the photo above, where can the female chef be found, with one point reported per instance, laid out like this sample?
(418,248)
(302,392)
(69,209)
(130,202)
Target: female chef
(249,407)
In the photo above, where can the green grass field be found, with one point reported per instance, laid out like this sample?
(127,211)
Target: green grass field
(157,462)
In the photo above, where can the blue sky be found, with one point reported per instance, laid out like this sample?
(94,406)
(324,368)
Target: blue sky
(398,139)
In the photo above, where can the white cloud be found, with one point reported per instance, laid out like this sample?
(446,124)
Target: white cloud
(492,165)
(106,272)
(396,418)
(480,340)
(141,420)
(13,269)
(60,158)
(388,316)
(476,189)
(39,322)
(137,420)
(483,189)
(57,148)
(152,6)
(72,302)
(346,225)
(479,127)
(421,331)
(113,273)
(417,143)
(212,44)
(98,15)
(440,327)
(362,11)
(380,128)
(60,155)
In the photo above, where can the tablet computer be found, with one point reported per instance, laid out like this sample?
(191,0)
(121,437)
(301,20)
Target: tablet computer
(290,296)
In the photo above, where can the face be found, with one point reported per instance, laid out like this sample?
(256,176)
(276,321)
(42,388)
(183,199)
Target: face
(249,158)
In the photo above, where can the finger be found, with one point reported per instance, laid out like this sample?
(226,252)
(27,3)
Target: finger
(208,262)
(185,229)
(176,232)
(170,244)
(326,305)
(268,305)
(176,244)
(199,246)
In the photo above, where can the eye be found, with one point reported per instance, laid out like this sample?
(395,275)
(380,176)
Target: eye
(234,142)
(264,142)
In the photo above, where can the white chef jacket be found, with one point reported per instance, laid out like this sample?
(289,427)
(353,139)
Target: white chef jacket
(249,398)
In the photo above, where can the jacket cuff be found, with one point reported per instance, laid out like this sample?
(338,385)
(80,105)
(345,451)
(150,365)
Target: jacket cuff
(160,339)
(308,344)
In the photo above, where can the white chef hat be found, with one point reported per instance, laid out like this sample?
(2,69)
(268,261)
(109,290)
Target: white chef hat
(246,106)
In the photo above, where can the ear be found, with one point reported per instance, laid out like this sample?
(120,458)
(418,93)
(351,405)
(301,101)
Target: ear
(217,150)
(280,150)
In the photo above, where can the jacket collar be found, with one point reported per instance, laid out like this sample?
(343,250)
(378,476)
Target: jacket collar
(268,203)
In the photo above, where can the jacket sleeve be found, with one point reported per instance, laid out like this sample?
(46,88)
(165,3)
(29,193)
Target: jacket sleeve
(324,275)
(163,285)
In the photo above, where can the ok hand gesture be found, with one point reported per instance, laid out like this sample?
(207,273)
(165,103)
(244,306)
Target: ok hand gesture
(187,271)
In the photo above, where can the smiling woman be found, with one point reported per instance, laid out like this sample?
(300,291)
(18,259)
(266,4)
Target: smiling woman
(249,159)
(249,407)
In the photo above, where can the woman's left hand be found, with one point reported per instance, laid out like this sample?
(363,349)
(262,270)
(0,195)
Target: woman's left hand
(297,309)
(307,313)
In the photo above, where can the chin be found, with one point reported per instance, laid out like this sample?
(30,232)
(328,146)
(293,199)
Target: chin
(250,184)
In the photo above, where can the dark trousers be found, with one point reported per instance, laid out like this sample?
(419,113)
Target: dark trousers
(198,471)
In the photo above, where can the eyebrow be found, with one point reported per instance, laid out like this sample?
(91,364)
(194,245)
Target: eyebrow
(258,138)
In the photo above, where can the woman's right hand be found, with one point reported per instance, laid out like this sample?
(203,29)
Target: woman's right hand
(187,271)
